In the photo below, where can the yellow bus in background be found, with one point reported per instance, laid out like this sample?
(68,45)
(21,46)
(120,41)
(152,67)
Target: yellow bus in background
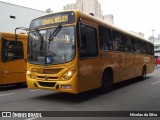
(13,58)
(73,52)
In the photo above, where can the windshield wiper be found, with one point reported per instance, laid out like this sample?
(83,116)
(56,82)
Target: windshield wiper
(55,32)
(39,37)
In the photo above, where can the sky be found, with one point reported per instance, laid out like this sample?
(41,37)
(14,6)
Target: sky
(133,15)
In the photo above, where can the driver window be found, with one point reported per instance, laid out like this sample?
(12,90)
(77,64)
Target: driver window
(12,50)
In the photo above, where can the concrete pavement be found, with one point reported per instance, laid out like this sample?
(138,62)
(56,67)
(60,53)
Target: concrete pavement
(158,66)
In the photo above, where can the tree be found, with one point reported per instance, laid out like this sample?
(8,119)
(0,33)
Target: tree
(49,10)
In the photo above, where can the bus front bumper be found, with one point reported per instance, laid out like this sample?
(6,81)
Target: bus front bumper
(69,86)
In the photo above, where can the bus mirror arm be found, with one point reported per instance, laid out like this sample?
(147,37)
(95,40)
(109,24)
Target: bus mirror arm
(21,28)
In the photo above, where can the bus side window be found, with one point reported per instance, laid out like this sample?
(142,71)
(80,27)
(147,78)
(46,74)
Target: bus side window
(105,38)
(148,49)
(128,44)
(137,46)
(143,47)
(12,50)
(152,49)
(118,41)
(88,41)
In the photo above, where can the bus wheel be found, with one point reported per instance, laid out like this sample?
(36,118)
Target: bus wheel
(143,77)
(106,83)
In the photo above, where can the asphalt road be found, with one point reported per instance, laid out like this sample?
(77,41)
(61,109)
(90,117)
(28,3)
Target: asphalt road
(132,95)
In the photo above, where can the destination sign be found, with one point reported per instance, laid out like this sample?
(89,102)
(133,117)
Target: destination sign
(56,19)
(53,19)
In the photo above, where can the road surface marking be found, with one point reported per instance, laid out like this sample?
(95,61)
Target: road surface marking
(156,82)
(6,94)
(39,109)
(35,90)
(31,118)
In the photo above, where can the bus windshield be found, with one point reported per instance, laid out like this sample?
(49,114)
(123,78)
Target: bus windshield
(59,49)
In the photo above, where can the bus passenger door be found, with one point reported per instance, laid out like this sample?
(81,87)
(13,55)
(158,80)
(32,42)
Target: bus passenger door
(13,65)
(88,56)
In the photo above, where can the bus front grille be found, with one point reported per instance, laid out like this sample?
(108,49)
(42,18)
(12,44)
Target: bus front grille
(46,71)
(47,84)
(47,78)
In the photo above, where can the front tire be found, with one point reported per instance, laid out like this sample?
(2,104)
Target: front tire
(106,83)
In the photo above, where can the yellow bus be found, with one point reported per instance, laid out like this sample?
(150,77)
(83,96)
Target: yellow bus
(73,52)
(13,63)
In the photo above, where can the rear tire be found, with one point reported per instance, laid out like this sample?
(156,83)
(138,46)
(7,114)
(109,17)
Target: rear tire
(106,82)
(144,71)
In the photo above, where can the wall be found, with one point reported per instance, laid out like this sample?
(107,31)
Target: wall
(23,16)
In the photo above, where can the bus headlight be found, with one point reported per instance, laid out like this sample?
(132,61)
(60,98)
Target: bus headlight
(30,74)
(69,74)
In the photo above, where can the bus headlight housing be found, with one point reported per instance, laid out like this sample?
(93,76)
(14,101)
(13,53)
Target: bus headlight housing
(30,74)
(68,75)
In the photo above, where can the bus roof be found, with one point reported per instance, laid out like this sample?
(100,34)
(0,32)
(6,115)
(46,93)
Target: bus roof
(98,21)
(12,35)
(107,24)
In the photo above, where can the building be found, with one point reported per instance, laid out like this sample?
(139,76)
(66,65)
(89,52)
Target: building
(140,34)
(90,6)
(13,16)
(156,41)
(70,6)
(157,48)
(108,18)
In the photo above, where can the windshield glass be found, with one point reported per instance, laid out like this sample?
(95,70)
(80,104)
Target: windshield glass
(59,49)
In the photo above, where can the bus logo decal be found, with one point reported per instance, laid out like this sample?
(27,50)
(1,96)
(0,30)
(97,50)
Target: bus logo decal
(45,77)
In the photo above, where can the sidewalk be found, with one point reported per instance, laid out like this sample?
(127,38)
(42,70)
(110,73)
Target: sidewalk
(158,66)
